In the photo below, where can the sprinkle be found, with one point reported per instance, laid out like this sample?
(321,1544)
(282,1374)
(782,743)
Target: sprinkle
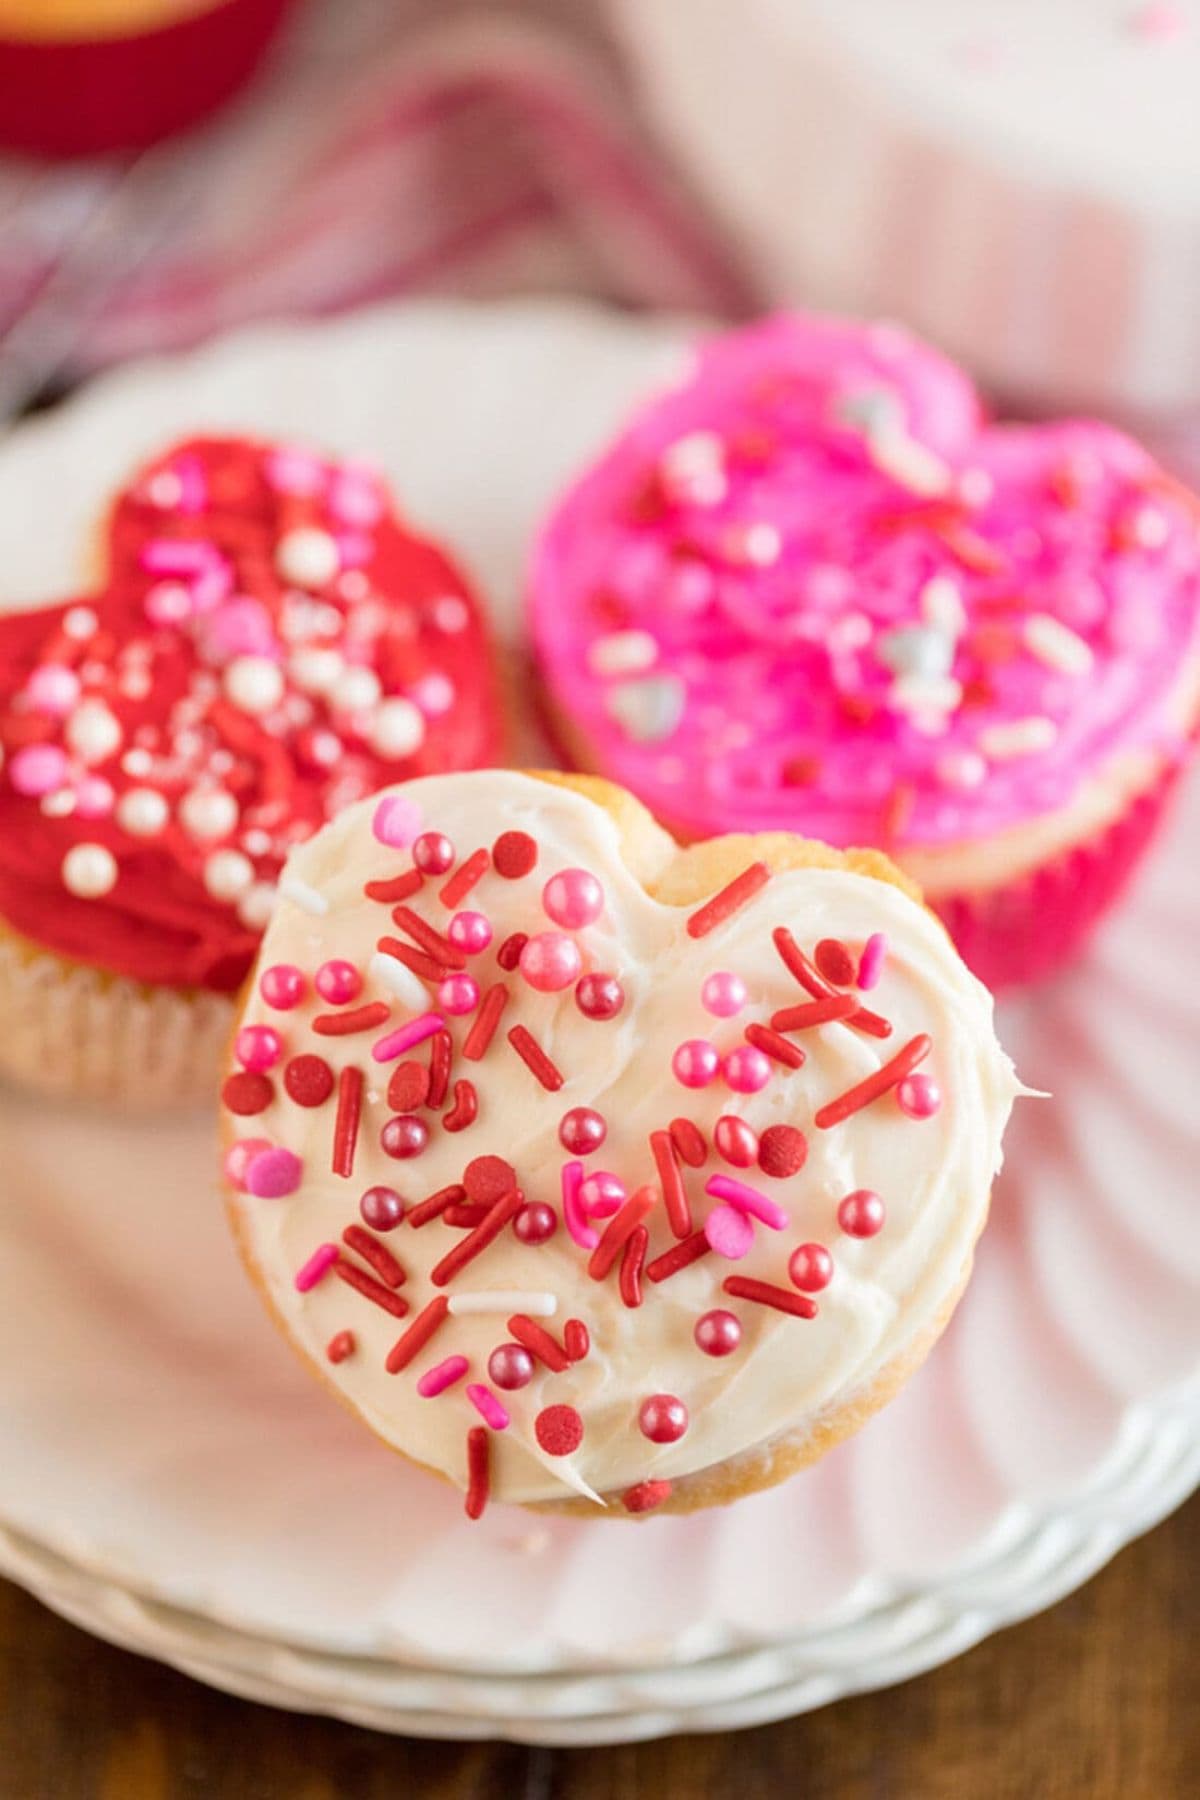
(689,1143)
(305,897)
(371,1289)
(644,1496)
(559,1430)
(408,1087)
(488,1178)
(487,1406)
(341,1345)
(443,1375)
(491,1300)
(419,962)
(431,941)
(622,653)
(247,1092)
(479,1455)
(618,1230)
(345,1125)
(514,854)
(375,1253)
(1018,737)
(352,1020)
(888,1076)
(464,878)
(648,708)
(834,962)
(273,1173)
(748,1200)
(441,1052)
(539,1342)
(465,1110)
(308,1080)
(679,1213)
(317,1266)
(576,1341)
(395,823)
(574,1217)
(418,1335)
(679,1256)
(814,1012)
(723,905)
(870,963)
(632,1263)
(407,1037)
(436,1204)
(742,1288)
(468,1248)
(797,964)
(1056,645)
(483,1028)
(465,1217)
(509,954)
(535,1058)
(398,887)
(774,1046)
(729,1232)
(782,1151)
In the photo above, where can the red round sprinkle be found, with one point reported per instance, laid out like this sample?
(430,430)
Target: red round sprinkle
(408,1087)
(404,1136)
(835,962)
(514,854)
(718,1333)
(599,996)
(645,1496)
(581,1130)
(433,853)
(486,1178)
(861,1214)
(736,1141)
(535,1223)
(248,1092)
(663,1418)
(810,1268)
(382,1208)
(308,1080)
(340,1346)
(510,1366)
(559,1430)
(782,1151)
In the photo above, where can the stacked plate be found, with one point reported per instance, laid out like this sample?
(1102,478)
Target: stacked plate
(170,1478)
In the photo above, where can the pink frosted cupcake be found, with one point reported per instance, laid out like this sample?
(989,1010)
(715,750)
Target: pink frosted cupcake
(813,589)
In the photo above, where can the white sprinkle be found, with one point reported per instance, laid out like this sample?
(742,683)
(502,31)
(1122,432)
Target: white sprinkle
(398,729)
(89,870)
(254,684)
(228,874)
(58,805)
(1056,645)
(142,812)
(1020,737)
(399,980)
(942,606)
(1150,528)
(909,463)
(307,556)
(208,813)
(256,905)
(505,1300)
(356,690)
(961,769)
(305,897)
(920,693)
(649,708)
(93,732)
(316,670)
(622,653)
(80,622)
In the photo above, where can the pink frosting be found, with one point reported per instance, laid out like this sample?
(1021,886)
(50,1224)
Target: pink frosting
(813,589)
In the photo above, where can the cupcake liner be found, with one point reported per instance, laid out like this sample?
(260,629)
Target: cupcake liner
(76,1031)
(1029,929)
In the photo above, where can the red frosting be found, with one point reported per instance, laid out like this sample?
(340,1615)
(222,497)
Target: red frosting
(270,645)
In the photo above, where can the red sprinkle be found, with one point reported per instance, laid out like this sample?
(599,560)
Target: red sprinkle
(345,1125)
(618,1230)
(645,1496)
(797,964)
(632,1263)
(863,1092)
(441,1056)
(435,1205)
(509,953)
(355,1018)
(375,1253)
(408,1087)
(776,1047)
(418,1334)
(679,1213)
(424,966)
(689,1143)
(464,878)
(476,1241)
(559,1430)
(465,1110)
(399,887)
(488,1179)
(341,1345)
(514,854)
(782,1299)
(576,1339)
(834,962)
(308,1080)
(479,1480)
(539,1342)
(679,1256)
(371,1289)
(782,1151)
(431,941)
(535,1058)
(722,906)
(814,1012)
(466,1216)
(247,1092)
(483,1027)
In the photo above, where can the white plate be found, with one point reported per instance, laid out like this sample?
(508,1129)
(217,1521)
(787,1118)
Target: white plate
(156,1436)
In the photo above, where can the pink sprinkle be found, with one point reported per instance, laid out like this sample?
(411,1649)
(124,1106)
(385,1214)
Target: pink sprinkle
(1158,22)
(415,1032)
(870,963)
(747,1200)
(273,1174)
(238,1158)
(38,769)
(318,1265)
(729,1232)
(178,556)
(487,1406)
(435,1381)
(396,822)
(573,1213)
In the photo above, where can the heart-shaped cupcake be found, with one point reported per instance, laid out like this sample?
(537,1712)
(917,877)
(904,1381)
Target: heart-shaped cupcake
(580,1164)
(812,589)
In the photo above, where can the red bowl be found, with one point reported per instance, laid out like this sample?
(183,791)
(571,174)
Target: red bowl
(63,96)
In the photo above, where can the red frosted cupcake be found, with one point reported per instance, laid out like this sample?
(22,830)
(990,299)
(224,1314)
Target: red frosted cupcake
(78,77)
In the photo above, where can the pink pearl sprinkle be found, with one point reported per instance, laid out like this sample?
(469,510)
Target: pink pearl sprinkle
(387,1049)
(318,1264)
(746,1069)
(238,1158)
(861,1214)
(573,898)
(435,1381)
(94,797)
(810,1268)
(718,1333)
(338,981)
(870,964)
(470,931)
(573,1214)
(663,1418)
(602,1194)
(550,962)
(919,1096)
(723,995)
(748,1200)
(258,1047)
(582,1130)
(433,852)
(736,1142)
(458,994)
(396,822)
(490,1410)
(273,1174)
(511,1366)
(168,603)
(536,1223)
(695,1063)
(282,986)
(53,689)
(38,769)
(729,1232)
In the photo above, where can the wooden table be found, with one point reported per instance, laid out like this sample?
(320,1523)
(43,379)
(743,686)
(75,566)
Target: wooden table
(1098,1699)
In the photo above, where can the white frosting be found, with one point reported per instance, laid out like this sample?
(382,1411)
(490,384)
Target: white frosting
(934,1175)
